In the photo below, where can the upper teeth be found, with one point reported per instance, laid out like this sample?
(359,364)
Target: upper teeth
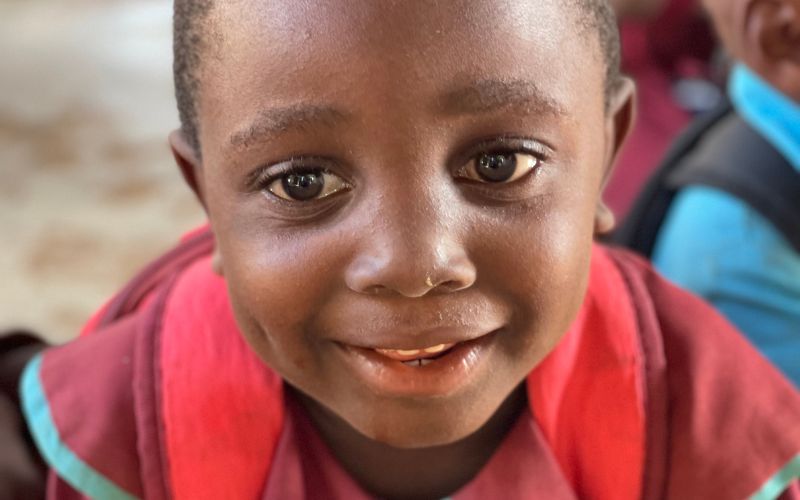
(414,352)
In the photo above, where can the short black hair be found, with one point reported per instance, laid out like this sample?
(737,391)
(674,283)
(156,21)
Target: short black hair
(190,37)
(599,16)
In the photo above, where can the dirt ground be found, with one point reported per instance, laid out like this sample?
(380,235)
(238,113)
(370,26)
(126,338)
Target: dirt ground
(88,190)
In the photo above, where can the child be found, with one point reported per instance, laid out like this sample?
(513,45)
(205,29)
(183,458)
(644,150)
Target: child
(405,300)
(730,231)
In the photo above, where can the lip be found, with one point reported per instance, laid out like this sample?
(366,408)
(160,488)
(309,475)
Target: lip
(445,375)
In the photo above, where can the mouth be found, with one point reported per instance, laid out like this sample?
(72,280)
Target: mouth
(424,372)
(417,357)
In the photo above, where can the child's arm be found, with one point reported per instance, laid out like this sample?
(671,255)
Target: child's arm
(22,472)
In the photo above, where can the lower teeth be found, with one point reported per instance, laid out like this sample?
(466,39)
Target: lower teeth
(418,362)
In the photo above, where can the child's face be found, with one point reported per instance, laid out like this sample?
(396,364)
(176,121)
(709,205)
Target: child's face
(402,175)
(764,36)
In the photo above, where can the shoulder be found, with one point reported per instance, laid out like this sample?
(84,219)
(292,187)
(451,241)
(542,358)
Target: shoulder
(705,223)
(91,404)
(716,204)
(724,250)
(733,422)
(708,218)
(78,398)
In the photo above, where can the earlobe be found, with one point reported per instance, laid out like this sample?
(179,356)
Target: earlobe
(604,220)
(188,162)
(216,262)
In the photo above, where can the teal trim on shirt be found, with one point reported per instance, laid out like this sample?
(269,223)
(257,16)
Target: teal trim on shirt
(772,114)
(778,483)
(65,463)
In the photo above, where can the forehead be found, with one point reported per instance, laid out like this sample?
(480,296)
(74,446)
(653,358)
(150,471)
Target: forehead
(353,20)
(381,22)
(276,53)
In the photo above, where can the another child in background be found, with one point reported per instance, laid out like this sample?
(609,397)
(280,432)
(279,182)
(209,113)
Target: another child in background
(734,241)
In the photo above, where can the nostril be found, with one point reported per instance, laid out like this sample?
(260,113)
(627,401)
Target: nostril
(446,286)
(450,286)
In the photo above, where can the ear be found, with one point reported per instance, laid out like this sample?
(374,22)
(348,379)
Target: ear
(191,168)
(621,116)
(772,43)
(188,162)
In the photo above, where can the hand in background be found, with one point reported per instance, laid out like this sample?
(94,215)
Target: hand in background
(22,472)
(22,476)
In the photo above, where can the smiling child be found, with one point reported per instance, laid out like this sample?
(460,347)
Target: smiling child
(398,294)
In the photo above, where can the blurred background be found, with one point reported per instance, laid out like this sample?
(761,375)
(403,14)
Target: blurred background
(88,190)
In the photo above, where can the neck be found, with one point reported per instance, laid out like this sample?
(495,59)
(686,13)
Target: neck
(435,472)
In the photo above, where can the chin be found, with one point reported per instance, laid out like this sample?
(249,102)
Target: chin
(421,427)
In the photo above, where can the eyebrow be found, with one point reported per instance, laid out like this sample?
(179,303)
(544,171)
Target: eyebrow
(485,96)
(284,119)
(481,96)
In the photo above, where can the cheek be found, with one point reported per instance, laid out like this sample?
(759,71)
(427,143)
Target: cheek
(276,293)
(538,261)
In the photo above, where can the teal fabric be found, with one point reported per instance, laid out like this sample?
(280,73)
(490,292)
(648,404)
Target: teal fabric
(773,115)
(64,462)
(715,245)
(778,483)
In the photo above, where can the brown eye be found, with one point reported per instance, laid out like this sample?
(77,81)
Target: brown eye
(306,185)
(500,167)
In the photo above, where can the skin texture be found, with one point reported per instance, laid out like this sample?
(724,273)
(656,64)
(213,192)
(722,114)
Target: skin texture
(765,35)
(395,100)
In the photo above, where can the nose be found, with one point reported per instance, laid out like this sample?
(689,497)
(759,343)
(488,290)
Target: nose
(411,257)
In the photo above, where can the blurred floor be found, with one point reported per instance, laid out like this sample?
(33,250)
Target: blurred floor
(88,191)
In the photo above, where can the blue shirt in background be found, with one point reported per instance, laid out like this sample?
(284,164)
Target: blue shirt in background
(718,247)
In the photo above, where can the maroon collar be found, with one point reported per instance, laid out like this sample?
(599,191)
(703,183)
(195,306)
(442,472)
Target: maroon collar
(303,466)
